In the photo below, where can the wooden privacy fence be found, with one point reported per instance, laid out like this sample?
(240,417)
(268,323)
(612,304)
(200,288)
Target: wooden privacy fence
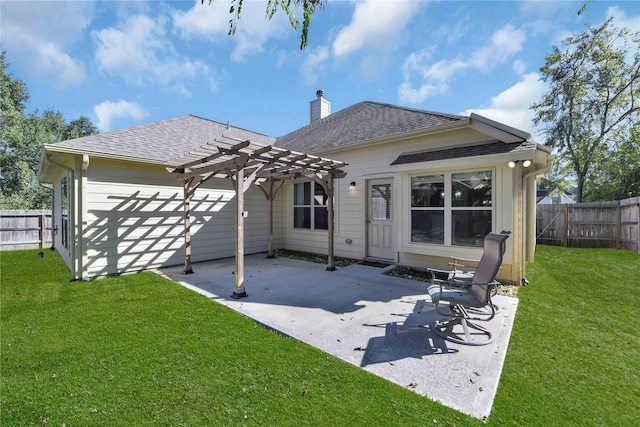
(25,229)
(590,225)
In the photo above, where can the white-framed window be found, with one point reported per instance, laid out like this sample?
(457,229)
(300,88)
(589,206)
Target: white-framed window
(452,208)
(310,206)
(65,204)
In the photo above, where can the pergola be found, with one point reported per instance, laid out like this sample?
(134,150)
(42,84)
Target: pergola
(245,163)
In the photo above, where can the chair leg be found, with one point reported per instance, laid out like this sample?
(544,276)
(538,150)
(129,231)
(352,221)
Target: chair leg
(461,330)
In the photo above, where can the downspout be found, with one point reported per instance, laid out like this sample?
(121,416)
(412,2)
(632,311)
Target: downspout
(529,187)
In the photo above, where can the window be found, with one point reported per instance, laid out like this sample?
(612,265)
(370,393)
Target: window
(452,208)
(64,202)
(427,209)
(310,206)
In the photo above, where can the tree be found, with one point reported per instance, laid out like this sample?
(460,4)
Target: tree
(287,6)
(617,172)
(21,139)
(594,90)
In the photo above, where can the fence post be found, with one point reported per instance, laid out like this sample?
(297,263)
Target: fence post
(618,230)
(565,226)
(43,230)
(638,233)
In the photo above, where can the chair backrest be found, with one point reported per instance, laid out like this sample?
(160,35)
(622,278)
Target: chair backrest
(488,266)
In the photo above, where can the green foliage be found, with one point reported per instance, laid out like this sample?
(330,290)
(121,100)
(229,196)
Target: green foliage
(22,137)
(617,172)
(288,7)
(594,94)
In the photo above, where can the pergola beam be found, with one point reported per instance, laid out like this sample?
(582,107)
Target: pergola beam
(245,162)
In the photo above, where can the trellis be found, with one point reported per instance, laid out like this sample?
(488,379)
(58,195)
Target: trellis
(246,163)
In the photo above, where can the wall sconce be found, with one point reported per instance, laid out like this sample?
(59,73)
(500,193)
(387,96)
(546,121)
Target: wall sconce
(525,163)
(352,185)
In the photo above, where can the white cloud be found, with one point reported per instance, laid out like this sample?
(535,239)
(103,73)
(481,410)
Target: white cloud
(621,19)
(203,20)
(423,79)
(313,65)
(39,40)
(211,22)
(505,42)
(107,111)
(408,93)
(512,106)
(374,23)
(141,52)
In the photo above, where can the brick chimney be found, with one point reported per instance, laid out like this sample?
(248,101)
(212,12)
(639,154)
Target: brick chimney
(320,107)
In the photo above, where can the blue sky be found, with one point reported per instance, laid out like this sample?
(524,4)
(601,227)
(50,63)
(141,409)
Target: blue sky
(125,63)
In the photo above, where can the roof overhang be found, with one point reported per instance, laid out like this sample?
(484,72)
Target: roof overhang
(497,130)
(494,130)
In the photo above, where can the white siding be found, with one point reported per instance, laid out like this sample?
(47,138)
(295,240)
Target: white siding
(56,220)
(374,162)
(134,219)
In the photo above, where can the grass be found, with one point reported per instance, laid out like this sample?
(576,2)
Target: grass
(142,350)
(574,356)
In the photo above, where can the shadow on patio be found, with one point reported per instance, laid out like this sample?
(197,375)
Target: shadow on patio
(374,321)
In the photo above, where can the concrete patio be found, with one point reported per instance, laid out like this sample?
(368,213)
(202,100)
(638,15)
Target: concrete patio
(374,321)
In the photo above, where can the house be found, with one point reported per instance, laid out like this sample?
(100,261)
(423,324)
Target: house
(420,186)
(116,208)
(553,197)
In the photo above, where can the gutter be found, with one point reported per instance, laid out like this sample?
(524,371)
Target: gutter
(98,154)
(530,231)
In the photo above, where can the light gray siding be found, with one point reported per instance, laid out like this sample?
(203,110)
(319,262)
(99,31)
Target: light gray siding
(135,219)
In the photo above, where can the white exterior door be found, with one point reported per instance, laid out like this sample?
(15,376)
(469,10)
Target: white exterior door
(379,218)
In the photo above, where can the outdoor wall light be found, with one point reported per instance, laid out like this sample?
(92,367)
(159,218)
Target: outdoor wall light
(55,229)
(352,185)
(526,163)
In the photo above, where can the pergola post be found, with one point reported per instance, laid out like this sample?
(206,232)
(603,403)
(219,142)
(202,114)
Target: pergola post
(270,193)
(187,225)
(245,163)
(331,264)
(239,291)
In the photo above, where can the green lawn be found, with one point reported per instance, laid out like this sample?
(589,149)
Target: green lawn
(141,350)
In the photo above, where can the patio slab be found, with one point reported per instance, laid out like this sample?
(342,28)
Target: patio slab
(377,322)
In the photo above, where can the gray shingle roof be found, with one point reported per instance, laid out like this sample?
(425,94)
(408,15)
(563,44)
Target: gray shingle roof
(468,151)
(159,141)
(361,122)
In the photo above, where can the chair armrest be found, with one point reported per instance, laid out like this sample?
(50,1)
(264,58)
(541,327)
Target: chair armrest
(467,260)
(436,270)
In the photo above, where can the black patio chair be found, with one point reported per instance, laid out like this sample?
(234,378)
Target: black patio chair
(468,299)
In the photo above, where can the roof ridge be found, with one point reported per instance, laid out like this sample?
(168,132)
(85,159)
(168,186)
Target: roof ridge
(417,110)
(227,124)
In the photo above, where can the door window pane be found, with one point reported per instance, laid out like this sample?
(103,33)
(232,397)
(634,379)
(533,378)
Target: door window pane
(381,202)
